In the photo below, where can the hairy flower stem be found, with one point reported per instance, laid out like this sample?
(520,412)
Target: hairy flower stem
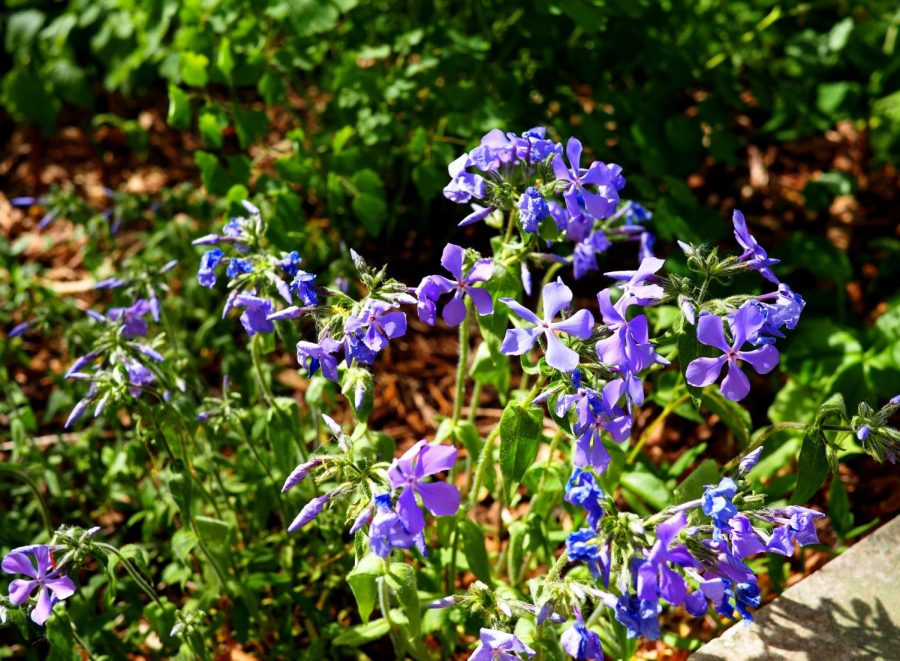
(671,406)
(557,568)
(473,403)
(761,437)
(132,571)
(14,471)
(256,356)
(462,365)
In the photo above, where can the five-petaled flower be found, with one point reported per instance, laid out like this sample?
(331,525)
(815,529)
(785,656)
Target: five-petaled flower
(556,296)
(499,646)
(433,286)
(408,474)
(42,575)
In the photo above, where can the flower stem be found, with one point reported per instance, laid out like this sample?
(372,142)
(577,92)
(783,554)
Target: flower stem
(462,365)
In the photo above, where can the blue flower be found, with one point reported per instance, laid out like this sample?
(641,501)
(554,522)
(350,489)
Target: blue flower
(302,286)
(581,546)
(254,318)
(579,642)
(640,616)
(754,255)
(532,209)
(387,530)
(582,489)
(237,266)
(206,274)
(716,502)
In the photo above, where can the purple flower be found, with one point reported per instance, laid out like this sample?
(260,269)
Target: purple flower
(532,146)
(310,511)
(254,318)
(407,474)
(747,463)
(478,213)
(584,257)
(745,539)
(638,285)
(754,254)
(582,489)
(496,149)
(380,322)
(302,286)
(604,415)
(20,329)
(499,646)
(290,263)
(579,642)
(463,185)
(532,209)
(237,266)
(797,524)
(743,324)
(654,576)
(784,312)
(299,473)
(433,286)
(628,349)
(312,356)
(581,546)
(206,275)
(51,586)
(556,296)
(132,318)
(600,204)
(640,616)
(388,531)
(716,502)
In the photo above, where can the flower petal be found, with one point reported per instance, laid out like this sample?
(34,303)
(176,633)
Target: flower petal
(452,259)
(573,153)
(560,171)
(439,498)
(436,458)
(559,356)
(763,359)
(703,371)
(16,562)
(578,325)
(61,587)
(481,271)
(20,590)
(42,609)
(520,310)
(410,512)
(710,331)
(518,340)
(556,296)
(735,385)
(454,312)
(482,300)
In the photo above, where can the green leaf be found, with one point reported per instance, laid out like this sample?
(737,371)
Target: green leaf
(225,58)
(688,349)
(369,204)
(520,438)
(271,88)
(26,98)
(179,115)
(194,69)
(475,551)
(691,487)
(363,633)
(403,580)
(363,584)
(211,124)
(213,530)
(839,508)
(515,560)
(251,125)
(648,488)
(311,17)
(812,466)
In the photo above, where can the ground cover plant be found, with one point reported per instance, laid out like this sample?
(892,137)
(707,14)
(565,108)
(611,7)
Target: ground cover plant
(265,497)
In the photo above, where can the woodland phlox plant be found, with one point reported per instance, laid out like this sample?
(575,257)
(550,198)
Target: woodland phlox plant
(581,571)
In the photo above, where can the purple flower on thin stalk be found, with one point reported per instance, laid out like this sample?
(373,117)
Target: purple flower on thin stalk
(132,318)
(255,317)
(640,616)
(20,329)
(579,642)
(433,286)
(754,254)
(604,415)
(299,473)
(600,204)
(380,322)
(496,149)
(628,349)
(581,546)
(44,577)
(784,312)
(407,474)
(312,356)
(556,296)
(532,209)
(638,285)
(796,524)
(388,531)
(654,576)
(499,646)
(744,324)
(310,511)
(302,286)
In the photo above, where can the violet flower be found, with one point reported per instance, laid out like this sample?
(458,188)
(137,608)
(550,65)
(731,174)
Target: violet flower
(310,511)
(206,274)
(584,256)
(532,209)
(499,646)
(312,356)
(716,502)
(255,317)
(433,286)
(380,322)
(463,185)
(579,642)
(637,285)
(44,577)
(582,489)
(556,296)
(600,204)
(754,254)
(654,576)
(388,531)
(628,349)
(744,324)
(407,474)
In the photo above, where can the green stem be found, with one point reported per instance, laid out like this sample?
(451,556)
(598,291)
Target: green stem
(481,466)
(132,571)
(671,406)
(15,471)
(473,402)
(462,365)
(256,357)
(761,437)
(557,568)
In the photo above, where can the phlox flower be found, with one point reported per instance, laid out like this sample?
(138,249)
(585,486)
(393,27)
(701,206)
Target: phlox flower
(36,562)
(407,474)
(499,646)
(433,286)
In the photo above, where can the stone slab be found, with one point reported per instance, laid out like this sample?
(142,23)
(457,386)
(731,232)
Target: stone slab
(848,609)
